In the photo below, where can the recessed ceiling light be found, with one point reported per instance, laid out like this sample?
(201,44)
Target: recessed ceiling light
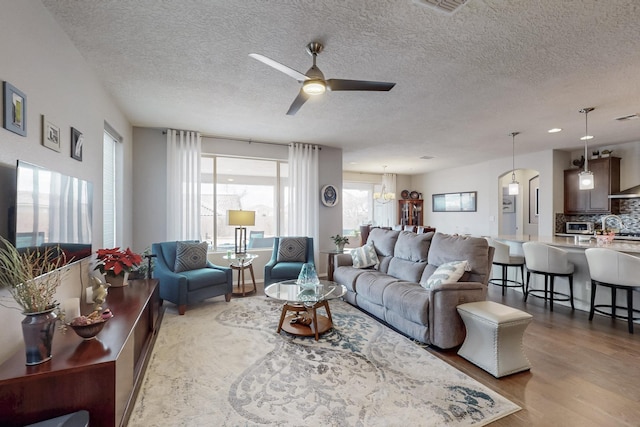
(555,130)
(586,137)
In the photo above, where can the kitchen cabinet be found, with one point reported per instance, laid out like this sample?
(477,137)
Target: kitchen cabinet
(606,175)
(410,211)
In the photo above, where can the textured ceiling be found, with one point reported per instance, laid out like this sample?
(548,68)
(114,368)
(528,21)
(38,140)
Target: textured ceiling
(464,81)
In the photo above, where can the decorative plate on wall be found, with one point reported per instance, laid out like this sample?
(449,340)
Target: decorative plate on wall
(415,195)
(329,195)
(405,194)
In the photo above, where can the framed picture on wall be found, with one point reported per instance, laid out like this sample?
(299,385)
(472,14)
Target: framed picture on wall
(77,141)
(50,135)
(15,110)
(508,204)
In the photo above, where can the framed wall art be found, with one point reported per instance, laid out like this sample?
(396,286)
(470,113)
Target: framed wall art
(77,141)
(454,202)
(15,110)
(329,195)
(508,204)
(50,135)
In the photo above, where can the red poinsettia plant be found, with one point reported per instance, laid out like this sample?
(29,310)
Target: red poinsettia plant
(117,260)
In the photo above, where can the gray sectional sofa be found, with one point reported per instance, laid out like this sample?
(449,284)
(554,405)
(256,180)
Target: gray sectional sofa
(391,291)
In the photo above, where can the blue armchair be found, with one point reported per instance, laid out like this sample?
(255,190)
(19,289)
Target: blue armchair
(287,258)
(193,280)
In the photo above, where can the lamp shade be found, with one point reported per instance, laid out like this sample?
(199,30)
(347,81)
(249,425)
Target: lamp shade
(241,218)
(514,188)
(586,180)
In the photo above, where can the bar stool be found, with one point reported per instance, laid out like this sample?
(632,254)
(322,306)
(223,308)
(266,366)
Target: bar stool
(504,259)
(614,270)
(551,262)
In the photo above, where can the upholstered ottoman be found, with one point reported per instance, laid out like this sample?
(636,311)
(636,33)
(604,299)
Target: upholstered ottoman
(494,337)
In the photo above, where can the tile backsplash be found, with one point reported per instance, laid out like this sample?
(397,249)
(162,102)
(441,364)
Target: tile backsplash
(629,213)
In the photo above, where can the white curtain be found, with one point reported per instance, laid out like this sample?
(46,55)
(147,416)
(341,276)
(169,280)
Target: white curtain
(304,193)
(183,185)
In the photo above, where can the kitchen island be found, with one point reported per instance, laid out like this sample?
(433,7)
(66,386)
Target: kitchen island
(581,277)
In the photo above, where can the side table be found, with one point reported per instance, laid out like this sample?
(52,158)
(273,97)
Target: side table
(240,263)
(330,263)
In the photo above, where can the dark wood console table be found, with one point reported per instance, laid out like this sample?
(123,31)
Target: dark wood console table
(102,375)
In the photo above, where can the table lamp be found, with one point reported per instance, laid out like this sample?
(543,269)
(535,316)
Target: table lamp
(241,219)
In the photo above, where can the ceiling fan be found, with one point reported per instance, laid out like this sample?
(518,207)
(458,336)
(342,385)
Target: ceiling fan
(314,83)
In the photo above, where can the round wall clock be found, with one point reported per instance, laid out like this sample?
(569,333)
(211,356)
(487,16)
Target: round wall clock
(329,195)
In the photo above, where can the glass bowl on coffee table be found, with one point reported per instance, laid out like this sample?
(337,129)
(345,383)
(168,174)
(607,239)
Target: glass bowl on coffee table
(299,313)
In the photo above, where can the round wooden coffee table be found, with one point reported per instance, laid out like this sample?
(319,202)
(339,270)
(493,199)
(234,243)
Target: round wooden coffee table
(303,302)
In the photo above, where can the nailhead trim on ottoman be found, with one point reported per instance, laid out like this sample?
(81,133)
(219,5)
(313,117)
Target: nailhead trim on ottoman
(494,337)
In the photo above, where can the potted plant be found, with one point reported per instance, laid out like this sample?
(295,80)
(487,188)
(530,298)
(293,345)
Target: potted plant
(340,241)
(116,264)
(32,277)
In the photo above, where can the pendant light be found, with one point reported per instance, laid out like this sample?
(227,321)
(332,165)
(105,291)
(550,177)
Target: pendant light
(384,197)
(514,186)
(586,176)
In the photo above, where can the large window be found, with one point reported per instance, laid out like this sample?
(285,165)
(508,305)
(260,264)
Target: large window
(357,206)
(230,183)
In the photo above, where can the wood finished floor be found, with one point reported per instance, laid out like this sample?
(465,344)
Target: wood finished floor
(583,373)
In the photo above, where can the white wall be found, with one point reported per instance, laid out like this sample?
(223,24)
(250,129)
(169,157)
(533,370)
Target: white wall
(485,179)
(38,58)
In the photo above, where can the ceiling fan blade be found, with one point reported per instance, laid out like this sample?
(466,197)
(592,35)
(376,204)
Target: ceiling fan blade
(280,67)
(297,103)
(340,84)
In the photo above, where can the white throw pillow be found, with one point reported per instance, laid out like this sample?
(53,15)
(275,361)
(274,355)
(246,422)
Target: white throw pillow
(449,272)
(364,256)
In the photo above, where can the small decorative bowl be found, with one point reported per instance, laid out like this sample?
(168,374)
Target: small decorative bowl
(89,331)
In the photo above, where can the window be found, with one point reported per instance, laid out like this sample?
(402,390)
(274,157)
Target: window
(232,183)
(111,167)
(357,206)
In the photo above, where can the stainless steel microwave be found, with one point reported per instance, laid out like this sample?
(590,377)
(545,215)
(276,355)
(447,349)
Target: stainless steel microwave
(579,227)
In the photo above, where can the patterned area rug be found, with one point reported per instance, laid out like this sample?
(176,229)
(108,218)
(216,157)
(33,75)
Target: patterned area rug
(224,364)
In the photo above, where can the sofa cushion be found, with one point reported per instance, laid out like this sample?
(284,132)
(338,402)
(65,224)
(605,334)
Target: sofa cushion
(292,249)
(371,285)
(190,256)
(364,256)
(409,300)
(412,246)
(204,278)
(383,240)
(446,248)
(449,272)
(406,270)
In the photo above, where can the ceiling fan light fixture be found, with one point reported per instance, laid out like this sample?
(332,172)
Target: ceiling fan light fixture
(314,87)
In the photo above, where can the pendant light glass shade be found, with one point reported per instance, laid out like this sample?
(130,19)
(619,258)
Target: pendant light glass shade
(586,180)
(514,186)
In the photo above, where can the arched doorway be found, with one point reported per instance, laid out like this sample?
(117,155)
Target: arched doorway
(519,213)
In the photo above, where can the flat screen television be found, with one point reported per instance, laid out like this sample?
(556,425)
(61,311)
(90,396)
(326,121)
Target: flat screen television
(53,210)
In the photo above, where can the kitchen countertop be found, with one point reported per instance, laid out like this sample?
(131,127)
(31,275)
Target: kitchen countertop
(630,247)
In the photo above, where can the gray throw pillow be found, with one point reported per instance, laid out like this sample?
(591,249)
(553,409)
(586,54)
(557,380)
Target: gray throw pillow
(190,256)
(292,249)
